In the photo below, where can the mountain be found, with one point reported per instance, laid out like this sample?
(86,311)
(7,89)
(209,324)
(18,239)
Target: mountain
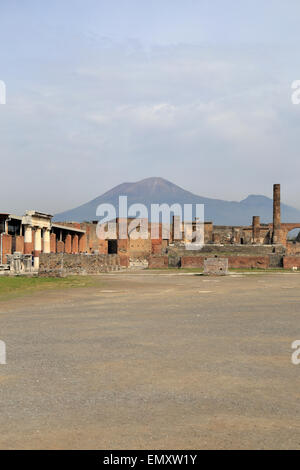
(158,191)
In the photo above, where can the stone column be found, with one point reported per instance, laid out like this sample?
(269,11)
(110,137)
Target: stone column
(276,214)
(37,247)
(256,229)
(28,240)
(46,238)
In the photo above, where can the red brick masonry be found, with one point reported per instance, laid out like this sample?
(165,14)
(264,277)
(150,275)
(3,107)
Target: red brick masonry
(233,261)
(158,262)
(290,262)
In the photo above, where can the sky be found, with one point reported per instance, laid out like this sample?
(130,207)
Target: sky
(101,92)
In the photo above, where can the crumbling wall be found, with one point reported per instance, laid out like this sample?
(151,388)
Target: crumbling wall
(192,261)
(20,264)
(64,264)
(158,262)
(248,262)
(139,249)
(293,248)
(290,262)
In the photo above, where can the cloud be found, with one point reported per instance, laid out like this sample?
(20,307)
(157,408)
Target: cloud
(217,120)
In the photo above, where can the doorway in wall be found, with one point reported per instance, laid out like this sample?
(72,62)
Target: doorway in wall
(112,247)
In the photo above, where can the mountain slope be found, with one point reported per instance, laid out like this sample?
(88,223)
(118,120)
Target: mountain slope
(158,191)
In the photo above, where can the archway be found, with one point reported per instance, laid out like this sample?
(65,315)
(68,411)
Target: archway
(293,235)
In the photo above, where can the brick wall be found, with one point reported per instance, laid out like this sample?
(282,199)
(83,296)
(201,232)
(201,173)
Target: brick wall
(293,248)
(139,248)
(20,244)
(124,260)
(262,262)
(156,248)
(60,247)
(158,262)
(192,261)
(6,246)
(290,262)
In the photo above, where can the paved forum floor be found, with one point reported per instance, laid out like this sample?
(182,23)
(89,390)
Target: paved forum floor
(153,361)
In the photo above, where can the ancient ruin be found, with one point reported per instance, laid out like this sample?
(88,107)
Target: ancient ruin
(33,243)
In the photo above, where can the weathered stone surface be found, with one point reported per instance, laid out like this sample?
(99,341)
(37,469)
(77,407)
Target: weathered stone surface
(156,262)
(235,261)
(290,262)
(215,266)
(19,264)
(63,264)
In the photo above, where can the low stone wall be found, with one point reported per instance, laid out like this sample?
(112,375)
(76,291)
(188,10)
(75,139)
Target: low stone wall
(158,262)
(61,264)
(290,262)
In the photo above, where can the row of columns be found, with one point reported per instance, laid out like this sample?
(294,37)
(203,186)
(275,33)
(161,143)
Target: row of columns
(36,247)
(33,243)
(276,235)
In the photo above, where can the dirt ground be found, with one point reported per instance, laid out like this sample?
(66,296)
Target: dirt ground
(153,360)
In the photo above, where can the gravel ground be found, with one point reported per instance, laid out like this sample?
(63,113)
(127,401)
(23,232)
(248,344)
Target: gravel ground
(152,360)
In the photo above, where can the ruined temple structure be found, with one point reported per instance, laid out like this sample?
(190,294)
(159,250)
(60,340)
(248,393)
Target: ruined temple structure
(256,245)
(35,237)
(34,233)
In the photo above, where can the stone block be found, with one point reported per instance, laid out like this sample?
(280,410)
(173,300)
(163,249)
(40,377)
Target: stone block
(215,266)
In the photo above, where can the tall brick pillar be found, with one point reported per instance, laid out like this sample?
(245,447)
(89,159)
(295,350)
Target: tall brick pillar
(276,214)
(256,229)
(53,243)
(68,243)
(82,243)
(75,244)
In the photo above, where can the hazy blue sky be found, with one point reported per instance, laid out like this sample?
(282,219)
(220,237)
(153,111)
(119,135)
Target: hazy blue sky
(104,92)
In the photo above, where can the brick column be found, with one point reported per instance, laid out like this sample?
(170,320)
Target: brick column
(75,244)
(68,244)
(276,214)
(256,229)
(52,243)
(82,244)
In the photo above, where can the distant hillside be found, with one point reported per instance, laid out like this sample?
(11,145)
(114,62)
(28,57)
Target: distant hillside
(158,191)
